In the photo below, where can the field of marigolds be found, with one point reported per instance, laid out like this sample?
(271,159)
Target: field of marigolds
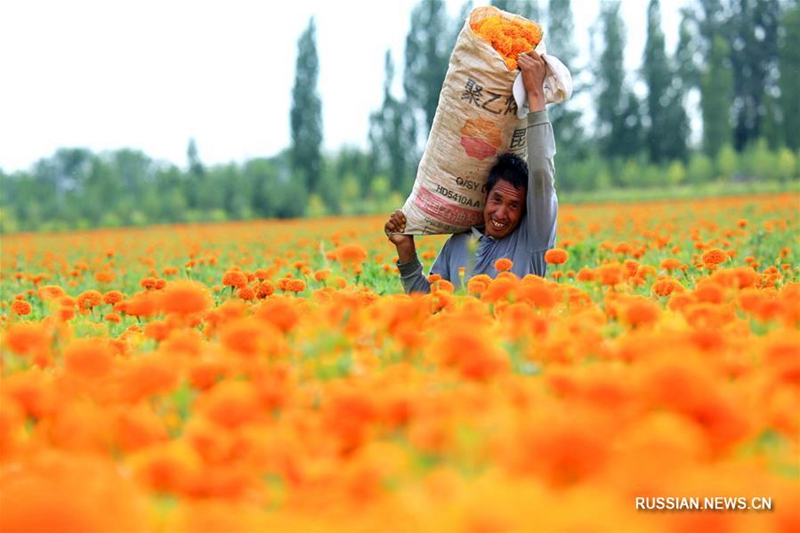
(272,376)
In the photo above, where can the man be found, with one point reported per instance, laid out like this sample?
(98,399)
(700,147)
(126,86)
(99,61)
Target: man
(519,216)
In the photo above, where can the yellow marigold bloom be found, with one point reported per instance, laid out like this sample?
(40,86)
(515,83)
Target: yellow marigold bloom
(556,256)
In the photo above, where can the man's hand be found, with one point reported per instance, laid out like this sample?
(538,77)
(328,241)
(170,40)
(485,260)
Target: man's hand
(406,250)
(534,70)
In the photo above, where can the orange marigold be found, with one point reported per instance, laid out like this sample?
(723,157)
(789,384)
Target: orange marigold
(112,297)
(669,264)
(714,256)
(666,286)
(510,37)
(185,298)
(246,293)
(556,256)
(296,285)
(51,292)
(265,288)
(234,278)
(90,357)
(322,275)
(478,284)
(21,307)
(89,299)
(503,264)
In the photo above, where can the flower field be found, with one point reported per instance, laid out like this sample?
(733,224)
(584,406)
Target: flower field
(271,376)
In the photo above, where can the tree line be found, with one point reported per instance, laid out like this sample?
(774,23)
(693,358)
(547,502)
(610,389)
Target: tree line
(721,107)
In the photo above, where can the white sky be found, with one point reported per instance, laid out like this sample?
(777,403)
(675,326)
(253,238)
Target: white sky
(151,74)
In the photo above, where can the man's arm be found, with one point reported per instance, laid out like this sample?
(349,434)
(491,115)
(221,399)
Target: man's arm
(411,273)
(542,203)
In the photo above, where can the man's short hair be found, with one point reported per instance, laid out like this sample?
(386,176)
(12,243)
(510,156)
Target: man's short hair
(511,168)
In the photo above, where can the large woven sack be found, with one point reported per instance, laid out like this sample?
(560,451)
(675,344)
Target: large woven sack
(476,120)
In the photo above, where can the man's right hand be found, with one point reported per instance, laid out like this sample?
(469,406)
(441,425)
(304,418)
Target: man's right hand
(404,243)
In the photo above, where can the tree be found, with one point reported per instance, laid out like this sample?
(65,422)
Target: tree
(716,96)
(754,53)
(560,39)
(668,126)
(527,8)
(658,78)
(618,111)
(427,58)
(306,113)
(392,134)
(789,65)
(196,175)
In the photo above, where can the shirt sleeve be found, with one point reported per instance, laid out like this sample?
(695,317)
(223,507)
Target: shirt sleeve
(542,203)
(413,277)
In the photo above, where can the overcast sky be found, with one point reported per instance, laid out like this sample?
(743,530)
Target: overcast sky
(150,75)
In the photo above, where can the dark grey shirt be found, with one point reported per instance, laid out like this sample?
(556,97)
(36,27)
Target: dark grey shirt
(525,246)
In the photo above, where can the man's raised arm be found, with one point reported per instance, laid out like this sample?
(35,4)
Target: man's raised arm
(542,203)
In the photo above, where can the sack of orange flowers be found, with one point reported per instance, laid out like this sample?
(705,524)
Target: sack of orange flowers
(477,119)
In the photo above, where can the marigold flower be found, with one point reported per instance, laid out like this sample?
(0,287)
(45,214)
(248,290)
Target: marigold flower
(112,297)
(556,256)
(666,286)
(510,37)
(265,288)
(90,357)
(148,283)
(610,274)
(669,264)
(503,264)
(478,284)
(246,293)
(21,307)
(234,278)
(27,338)
(714,256)
(349,253)
(296,285)
(105,276)
(322,274)
(89,299)
(50,292)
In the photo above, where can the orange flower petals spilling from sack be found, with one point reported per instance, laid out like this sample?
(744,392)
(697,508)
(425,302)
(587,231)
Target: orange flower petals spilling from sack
(509,37)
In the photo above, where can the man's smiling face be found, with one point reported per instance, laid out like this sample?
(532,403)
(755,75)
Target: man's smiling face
(504,208)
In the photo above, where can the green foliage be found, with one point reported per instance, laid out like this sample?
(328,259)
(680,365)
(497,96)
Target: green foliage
(701,168)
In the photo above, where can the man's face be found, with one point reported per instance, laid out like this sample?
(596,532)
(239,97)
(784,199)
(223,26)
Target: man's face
(504,207)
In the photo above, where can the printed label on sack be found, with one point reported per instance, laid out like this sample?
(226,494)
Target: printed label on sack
(441,210)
